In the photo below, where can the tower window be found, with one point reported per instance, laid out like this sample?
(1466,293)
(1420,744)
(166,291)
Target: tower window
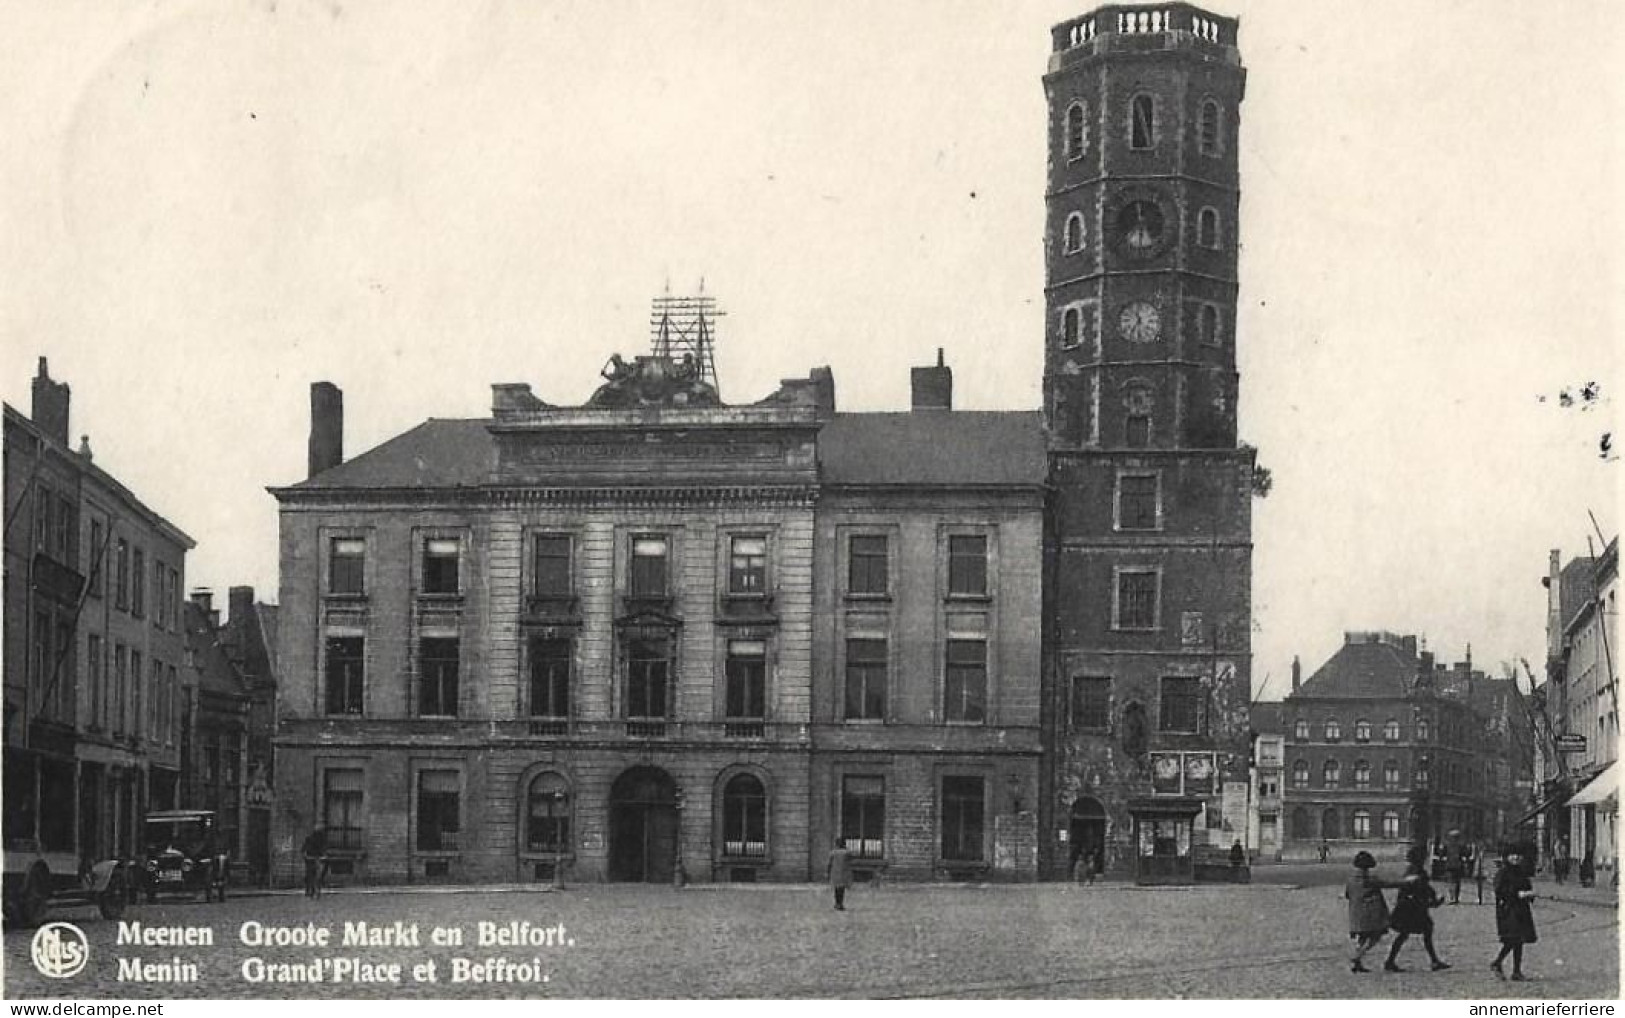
(1073,241)
(1077,130)
(1207,228)
(1208,127)
(1208,324)
(1071,328)
(1137,431)
(1142,122)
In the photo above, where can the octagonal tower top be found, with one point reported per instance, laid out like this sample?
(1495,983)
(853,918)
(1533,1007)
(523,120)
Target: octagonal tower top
(1117,28)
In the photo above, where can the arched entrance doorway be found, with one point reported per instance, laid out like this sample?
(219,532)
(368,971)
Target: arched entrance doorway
(643,826)
(1088,836)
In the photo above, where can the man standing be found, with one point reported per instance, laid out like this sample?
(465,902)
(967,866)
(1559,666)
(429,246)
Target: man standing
(315,850)
(1454,865)
(840,872)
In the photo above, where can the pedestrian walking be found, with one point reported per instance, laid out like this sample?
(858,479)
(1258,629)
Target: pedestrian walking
(1514,920)
(840,873)
(1325,850)
(1238,855)
(1412,907)
(1368,909)
(315,852)
(1588,870)
(1478,872)
(1454,865)
(1560,860)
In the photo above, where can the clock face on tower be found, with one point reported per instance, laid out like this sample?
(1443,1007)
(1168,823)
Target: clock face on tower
(1139,322)
(1140,228)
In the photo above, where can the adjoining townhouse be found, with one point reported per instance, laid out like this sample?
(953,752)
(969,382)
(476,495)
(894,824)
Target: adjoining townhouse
(214,745)
(1384,748)
(1264,839)
(94,645)
(927,604)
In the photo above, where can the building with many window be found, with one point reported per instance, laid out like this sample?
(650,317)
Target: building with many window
(1148,614)
(1384,748)
(94,645)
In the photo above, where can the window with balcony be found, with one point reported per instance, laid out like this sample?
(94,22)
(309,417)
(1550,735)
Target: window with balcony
(863,816)
(345,674)
(650,565)
(866,665)
(547,814)
(442,559)
(437,676)
(342,799)
(744,818)
(965,686)
(550,679)
(1180,704)
(967,565)
(1138,496)
(962,819)
(648,677)
(867,565)
(746,680)
(551,572)
(1091,703)
(747,566)
(1135,604)
(439,811)
(346,566)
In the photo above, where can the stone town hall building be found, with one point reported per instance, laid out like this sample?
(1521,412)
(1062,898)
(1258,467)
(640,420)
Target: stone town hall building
(658,631)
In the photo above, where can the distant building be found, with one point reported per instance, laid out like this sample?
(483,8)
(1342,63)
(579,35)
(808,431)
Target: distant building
(94,644)
(213,771)
(249,639)
(1269,755)
(1384,749)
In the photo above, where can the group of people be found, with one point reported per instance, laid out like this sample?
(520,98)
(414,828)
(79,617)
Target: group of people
(1370,918)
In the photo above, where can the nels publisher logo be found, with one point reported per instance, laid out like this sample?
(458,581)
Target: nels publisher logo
(60,950)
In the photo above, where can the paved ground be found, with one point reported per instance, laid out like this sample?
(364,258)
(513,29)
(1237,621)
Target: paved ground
(1272,939)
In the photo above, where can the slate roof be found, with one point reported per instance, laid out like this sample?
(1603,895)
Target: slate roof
(1575,585)
(216,673)
(435,454)
(934,447)
(1362,671)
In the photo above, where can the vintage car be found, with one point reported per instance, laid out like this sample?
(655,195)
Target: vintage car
(36,880)
(181,855)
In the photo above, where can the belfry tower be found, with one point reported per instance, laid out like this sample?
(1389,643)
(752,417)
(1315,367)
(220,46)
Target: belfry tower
(1148,632)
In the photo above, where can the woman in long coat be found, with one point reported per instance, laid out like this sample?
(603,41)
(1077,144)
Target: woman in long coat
(1514,920)
(1368,909)
(1416,896)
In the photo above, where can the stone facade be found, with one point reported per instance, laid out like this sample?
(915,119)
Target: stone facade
(1148,611)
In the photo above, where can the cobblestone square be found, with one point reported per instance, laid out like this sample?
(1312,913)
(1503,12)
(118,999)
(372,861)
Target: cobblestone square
(1110,940)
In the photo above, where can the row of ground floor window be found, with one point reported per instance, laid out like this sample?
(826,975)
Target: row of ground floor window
(497,815)
(1309,826)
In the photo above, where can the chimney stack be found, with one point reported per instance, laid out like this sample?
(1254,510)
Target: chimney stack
(203,597)
(1297,673)
(50,409)
(326,427)
(239,604)
(933,386)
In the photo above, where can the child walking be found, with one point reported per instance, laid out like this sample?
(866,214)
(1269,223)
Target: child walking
(1514,921)
(1368,909)
(1416,896)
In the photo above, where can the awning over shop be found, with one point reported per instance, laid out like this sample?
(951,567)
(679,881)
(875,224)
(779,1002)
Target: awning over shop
(1555,799)
(1603,786)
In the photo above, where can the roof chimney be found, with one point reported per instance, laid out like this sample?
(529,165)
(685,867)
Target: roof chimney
(1297,673)
(50,409)
(239,604)
(326,427)
(203,597)
(933,386)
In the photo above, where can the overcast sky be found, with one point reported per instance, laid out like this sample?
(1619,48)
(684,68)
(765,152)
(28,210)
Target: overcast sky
(206,206)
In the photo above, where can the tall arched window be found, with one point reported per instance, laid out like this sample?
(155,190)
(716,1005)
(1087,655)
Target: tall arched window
(744,818)
(1362,774)
(1423,731)
(1328,824)
(1074,232)
(1142,130)
(1207,228)
(1330,774)
(1390,825)
(1208,326)
(1334,731)
(1300,730)
(1071,328)
(1077,130)
(1390,730)
(1390,776)
(1300,825)
(1362,730)
(1300,774)
(1209,126)
(547,816)
(1362,824)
